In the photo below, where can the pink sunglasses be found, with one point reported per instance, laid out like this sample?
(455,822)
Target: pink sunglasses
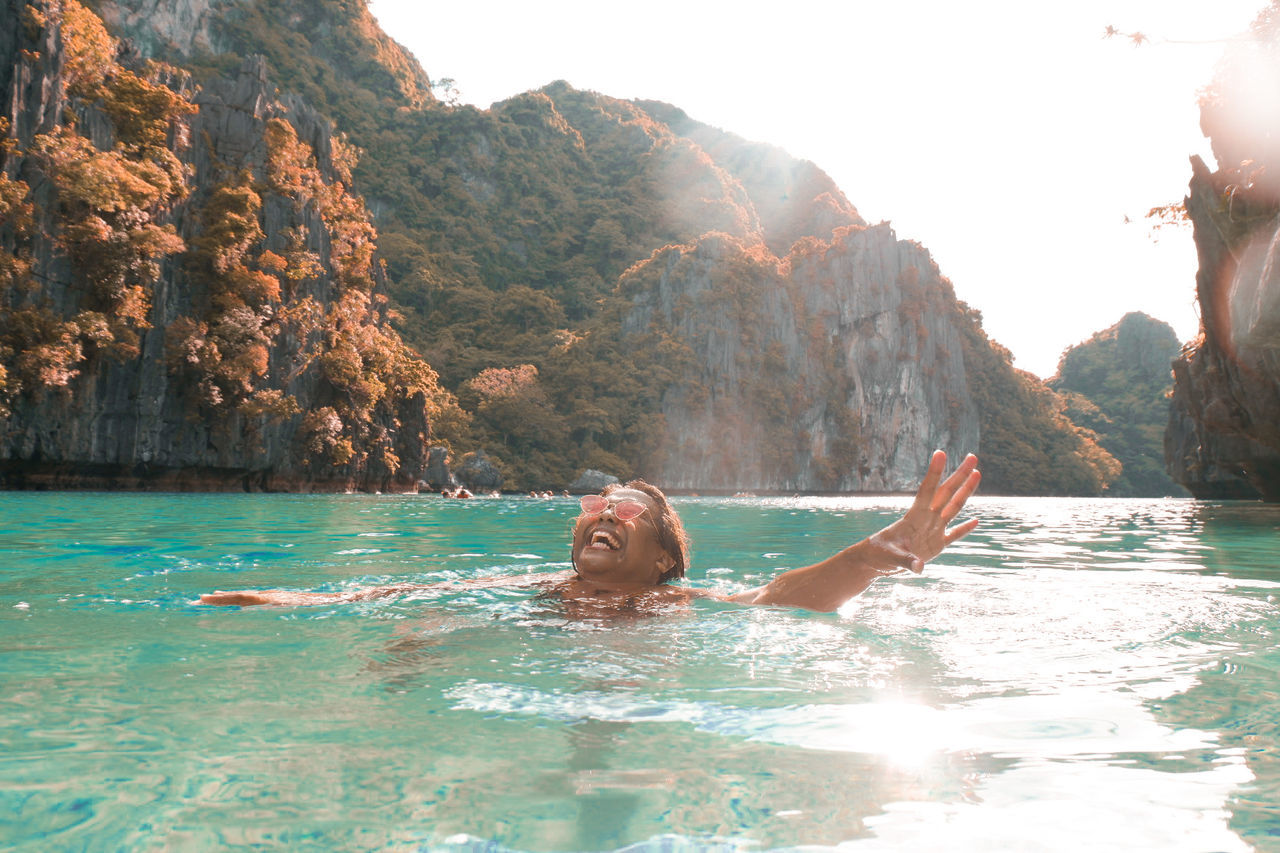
(623,510)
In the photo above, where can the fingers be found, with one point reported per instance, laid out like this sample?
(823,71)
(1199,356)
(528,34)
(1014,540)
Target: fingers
(960,531)
(928,486)
(961,496)
(959,486)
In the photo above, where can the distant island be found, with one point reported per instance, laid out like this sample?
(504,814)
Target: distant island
(1117,384)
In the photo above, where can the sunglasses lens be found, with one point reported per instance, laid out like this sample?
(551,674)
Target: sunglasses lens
(628,510)
(593,503)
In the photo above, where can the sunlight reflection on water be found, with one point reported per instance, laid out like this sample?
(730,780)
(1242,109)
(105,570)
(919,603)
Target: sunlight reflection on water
(1074,674)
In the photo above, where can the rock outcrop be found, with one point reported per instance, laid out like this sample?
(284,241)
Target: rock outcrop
(251,396)
(438,476)
(591,481)
(1223,439)
(478,473)
(166,27)
(837,368)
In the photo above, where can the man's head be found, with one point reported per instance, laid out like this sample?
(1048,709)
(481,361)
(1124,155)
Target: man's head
(631,536)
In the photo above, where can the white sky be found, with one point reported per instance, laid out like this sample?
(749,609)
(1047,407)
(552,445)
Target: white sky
(1009,138)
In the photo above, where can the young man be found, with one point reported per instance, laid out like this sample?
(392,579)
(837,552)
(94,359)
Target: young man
(628,543)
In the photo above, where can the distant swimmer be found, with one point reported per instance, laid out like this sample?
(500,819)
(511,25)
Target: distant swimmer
(629,544)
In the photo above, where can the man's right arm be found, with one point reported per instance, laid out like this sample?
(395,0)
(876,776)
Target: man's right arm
(292,598)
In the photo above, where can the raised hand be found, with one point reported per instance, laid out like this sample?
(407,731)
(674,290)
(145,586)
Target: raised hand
(922,533)
(908,543)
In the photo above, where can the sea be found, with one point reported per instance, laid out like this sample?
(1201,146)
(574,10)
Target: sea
(1097,674)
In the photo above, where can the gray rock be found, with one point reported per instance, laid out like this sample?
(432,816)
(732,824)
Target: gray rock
(478,473)
(591,481)
(437,475)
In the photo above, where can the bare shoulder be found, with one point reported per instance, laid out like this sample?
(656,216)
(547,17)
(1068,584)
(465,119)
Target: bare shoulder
(746,597)
(531,579)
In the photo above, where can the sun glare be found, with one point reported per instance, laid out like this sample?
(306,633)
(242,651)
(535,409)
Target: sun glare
(908,735)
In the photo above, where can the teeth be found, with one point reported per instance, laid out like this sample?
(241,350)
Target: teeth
(604,538)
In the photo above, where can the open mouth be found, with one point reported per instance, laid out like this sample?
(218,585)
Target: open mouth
(605,540)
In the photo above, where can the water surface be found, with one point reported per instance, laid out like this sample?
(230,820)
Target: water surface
(1076,673)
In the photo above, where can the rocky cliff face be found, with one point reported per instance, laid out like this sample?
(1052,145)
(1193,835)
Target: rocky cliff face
(1223,439)
(836,368)
(166,27)
(809,351)
(229,370)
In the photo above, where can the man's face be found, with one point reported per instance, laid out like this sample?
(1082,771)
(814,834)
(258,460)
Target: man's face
(607,549)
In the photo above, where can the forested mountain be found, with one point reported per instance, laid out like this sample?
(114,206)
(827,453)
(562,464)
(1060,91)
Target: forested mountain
(585,281)
(1117,384)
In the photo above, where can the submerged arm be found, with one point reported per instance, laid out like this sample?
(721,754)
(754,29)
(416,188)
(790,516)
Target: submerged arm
(291,598)
(908,543)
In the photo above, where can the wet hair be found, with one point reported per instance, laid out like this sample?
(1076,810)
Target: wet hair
(671,534)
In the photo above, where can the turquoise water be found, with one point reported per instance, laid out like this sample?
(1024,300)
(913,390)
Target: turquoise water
(1076,674)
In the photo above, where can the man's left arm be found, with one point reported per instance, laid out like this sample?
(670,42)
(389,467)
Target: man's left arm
(910,542)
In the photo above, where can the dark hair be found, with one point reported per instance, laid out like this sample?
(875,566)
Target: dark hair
(671,535)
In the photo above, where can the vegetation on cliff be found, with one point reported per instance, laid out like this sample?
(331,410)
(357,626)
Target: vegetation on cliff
(254,298)
(1030,446)
(515,242)
(104,213)
(1117,384)
(282,327)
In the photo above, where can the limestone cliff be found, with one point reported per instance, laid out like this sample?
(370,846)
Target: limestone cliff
(345,48)
(189,298)
(1223,439)
(159,27)
(836,368)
